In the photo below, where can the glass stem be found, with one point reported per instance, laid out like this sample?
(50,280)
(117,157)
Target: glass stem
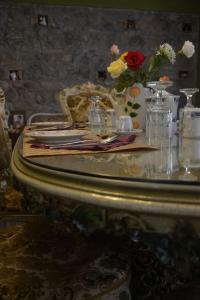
(189,101)
(159,98)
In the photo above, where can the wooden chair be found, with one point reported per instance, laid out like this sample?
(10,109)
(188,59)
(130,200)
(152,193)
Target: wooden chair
(46,117)
(75,101)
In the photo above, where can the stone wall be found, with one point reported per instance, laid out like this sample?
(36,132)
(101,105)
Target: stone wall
(72,45)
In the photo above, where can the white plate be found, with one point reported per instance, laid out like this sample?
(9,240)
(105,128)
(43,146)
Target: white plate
(56,136)
(130,132)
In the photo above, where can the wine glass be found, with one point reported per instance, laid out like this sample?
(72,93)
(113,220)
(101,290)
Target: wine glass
(189,158)
(183,112)
(189,92)
(159,88)
(187,173)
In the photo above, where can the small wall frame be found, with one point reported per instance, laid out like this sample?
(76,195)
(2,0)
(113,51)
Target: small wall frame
(15,75)
(43,20)
(17,119)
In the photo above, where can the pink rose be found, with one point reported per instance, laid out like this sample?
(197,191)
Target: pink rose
(114,50)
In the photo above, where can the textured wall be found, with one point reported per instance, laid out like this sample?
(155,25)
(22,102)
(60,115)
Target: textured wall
(75,45)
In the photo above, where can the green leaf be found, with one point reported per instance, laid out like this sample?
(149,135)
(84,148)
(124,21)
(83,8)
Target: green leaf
(151,63)
(133,114)
(126,109)
(136,105)
(119,87)
(129,103)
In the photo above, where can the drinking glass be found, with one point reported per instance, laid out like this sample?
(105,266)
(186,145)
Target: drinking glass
(159,114)
(125,124)
(189,157)
(189,92)
(190,122)
(110,120)
(159,87)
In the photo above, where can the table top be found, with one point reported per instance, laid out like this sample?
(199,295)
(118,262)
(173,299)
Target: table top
(164,181)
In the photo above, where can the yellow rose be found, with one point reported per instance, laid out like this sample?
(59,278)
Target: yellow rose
(116,68)
(122,56)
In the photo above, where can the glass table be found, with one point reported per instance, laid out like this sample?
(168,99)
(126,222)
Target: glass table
(161,182)
(154,193)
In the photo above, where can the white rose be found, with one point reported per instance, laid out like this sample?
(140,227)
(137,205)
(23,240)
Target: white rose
(188,49)
(167,50)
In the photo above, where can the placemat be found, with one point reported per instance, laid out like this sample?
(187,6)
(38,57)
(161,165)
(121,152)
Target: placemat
(28,151)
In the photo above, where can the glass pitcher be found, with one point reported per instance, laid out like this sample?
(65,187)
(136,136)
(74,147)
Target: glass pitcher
(96,116)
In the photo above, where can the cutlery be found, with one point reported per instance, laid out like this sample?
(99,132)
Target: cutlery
(109,139)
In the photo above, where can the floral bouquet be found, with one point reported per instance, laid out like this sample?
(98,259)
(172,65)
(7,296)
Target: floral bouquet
(130,68)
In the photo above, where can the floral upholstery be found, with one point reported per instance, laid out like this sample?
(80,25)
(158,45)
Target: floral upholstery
(46,117)
(75,101)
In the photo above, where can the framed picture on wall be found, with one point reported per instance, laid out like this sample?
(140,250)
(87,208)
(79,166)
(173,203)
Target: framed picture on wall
(17,119)
(16,123)
(43,20)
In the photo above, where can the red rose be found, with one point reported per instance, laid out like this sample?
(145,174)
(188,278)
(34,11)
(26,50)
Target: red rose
(134,59)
